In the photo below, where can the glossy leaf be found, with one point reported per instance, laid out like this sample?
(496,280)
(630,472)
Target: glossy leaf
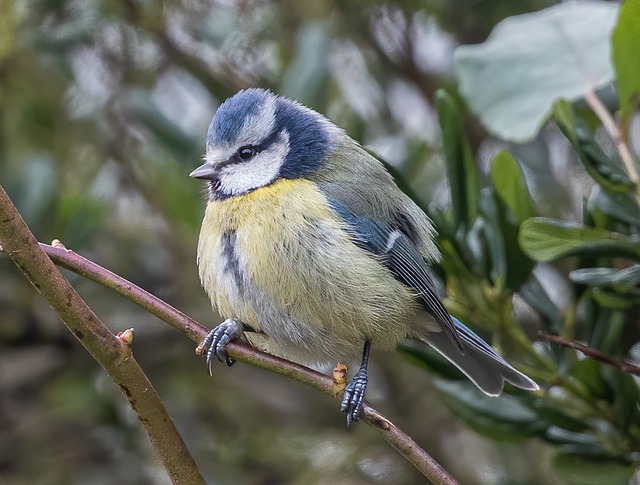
(620,206)
(509,183)
(536,295)
(555,434)
(511,80)
(605,171)
(501,419)
(462,168)
(544,239)
(626,61)
(626,278)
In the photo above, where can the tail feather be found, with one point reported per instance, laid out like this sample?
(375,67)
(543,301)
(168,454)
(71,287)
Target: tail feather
(479,362)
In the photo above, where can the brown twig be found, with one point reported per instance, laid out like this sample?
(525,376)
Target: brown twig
(592,353)
(242,352)
(111,352)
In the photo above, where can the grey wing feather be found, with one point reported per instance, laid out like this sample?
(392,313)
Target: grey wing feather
(480,363)
(400,255)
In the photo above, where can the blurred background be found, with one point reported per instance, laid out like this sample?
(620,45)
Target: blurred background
(104,106)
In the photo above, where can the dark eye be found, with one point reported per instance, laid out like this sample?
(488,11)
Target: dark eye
(246,152)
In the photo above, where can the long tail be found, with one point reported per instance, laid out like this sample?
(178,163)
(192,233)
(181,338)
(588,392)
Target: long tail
(479,362)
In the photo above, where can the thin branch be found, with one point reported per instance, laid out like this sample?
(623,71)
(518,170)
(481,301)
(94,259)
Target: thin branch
(610,125)
(112,353)
(242,352)
(592,353)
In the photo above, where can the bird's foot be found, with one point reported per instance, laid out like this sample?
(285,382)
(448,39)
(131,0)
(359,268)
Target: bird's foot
(353,400)
(216,342)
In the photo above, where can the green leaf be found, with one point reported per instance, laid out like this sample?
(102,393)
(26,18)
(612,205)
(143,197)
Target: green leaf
(500,419)
(614,300)
(510,185)
(605,171)
(462,168)
(544,239)
(537,296)
(494,235)
(626,61)
(555,434)
(511,80)
(626,397)
(588,371)
(619,205)
(625,279)
(585,470)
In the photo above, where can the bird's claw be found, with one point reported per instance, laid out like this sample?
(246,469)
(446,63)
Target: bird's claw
(353,400)
(216,341)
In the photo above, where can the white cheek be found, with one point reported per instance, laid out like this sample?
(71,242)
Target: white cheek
(263,169)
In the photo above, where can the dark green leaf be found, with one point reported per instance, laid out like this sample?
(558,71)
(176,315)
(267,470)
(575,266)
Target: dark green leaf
(585,470)
(501,419)
(627,395)
(619,205)
(615,301)
(495,237)
(557,417)
(588,372)
(536,296)
(462,168)
(605,171)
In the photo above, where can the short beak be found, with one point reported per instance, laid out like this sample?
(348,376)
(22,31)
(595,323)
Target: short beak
(204,171)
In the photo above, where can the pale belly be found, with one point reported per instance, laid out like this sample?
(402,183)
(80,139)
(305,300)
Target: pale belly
(280,261)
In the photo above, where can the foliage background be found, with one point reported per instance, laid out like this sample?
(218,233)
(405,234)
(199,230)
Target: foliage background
(104,107)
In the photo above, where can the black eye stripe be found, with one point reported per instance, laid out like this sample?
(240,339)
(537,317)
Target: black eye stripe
(256,149)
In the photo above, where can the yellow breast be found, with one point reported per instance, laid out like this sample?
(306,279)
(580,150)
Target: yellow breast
(279,259)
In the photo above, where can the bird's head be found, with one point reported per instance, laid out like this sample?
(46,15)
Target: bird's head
(256,138)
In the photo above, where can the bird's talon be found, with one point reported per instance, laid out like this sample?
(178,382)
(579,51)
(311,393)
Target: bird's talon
(216,341)
(353,400)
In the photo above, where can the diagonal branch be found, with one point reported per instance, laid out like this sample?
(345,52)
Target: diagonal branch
(593,353)
(399,440)
(112,353)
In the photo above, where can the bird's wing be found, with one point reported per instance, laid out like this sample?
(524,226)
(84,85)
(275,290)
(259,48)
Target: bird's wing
(399,254)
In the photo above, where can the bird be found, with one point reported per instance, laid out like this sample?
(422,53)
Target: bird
(310,251)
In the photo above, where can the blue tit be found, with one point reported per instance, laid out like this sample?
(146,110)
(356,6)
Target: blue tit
(311,252)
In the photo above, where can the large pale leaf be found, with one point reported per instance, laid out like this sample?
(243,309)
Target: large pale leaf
(511,80)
